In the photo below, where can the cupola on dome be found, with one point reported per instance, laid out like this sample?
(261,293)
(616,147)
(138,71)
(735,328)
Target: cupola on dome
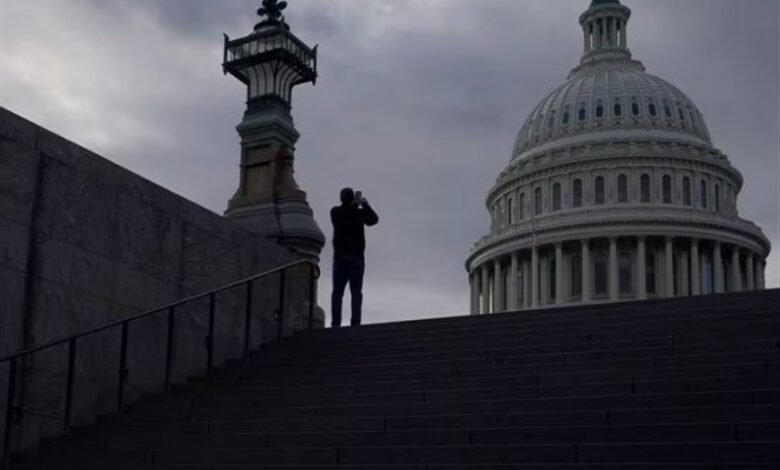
(609,94)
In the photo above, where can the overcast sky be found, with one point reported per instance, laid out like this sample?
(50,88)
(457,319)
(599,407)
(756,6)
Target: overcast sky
(418,104)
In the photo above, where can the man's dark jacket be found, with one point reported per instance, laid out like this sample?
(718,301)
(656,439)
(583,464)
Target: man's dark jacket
(349,236)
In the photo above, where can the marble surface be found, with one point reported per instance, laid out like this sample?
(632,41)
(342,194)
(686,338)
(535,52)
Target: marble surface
(107,245)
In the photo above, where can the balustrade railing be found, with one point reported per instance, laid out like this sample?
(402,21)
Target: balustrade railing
(14,414)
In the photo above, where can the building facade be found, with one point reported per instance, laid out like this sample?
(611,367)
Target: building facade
(614,192)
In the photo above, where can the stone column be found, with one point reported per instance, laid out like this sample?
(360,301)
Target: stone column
(485,288)
(471,293)
(760,275)
(751,271)
(669,268)
(498,287)
(512,305)
(475,292)
(613,32)
(642,263)
(587,37)
(736,271)
(597,34)
(535,277)
(526,294)
(613,269)
(682,273)
(559,294)
(586,282)
(717,260)
(695,268)
(624,35)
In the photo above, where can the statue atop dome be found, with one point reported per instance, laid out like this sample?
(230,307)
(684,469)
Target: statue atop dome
(272,9)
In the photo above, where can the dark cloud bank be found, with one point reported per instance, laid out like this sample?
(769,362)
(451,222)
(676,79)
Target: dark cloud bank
(419,102)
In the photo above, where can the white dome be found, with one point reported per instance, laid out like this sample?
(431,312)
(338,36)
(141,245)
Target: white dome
(609,96)
(614,192)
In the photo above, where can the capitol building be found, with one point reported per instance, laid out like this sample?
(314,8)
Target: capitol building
(614,192)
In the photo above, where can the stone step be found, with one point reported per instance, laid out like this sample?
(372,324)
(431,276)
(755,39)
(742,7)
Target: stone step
(663,384)
(519,466)
(654,433)
(486,390)
(412,346)
(713,452)
(681,306)
(188,410)
(502,378)
(540,366)
(554,316)
(681,413)
(573,352)
(618,327)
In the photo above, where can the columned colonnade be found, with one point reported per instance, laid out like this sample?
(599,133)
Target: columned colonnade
(610,269)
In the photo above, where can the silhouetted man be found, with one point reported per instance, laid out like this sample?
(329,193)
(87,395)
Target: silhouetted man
(349,246)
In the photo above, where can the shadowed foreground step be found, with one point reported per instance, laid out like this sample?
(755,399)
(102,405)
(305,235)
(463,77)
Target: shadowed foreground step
(682,384)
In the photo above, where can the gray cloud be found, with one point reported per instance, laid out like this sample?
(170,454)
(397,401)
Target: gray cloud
(418,105)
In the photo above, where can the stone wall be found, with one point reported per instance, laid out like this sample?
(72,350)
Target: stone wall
(84,242)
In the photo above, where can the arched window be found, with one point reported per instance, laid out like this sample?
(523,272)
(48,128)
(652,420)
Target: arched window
(668,111)
(681,114)
(599,190)
(635,109)
(622,188)
(667,189)
(625,273)
(599,111)
(576,276)
(600,274)
(556,197)
(522,206)
(510,210)
(538,201)
(717,198)
(582,115)
(687,191)
(618,110)
(651,109)
(577,193)
(645,188)
(704,195)
(650,280)
(551,121)
(566,118)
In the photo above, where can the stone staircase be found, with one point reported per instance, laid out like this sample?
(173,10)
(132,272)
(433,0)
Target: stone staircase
(668,384)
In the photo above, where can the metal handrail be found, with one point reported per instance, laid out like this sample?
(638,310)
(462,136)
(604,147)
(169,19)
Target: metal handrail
(71,341)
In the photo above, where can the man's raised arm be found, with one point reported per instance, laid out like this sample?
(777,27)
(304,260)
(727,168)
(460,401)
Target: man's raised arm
(369,216)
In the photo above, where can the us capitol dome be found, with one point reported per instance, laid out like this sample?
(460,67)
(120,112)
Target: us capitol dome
(614,192)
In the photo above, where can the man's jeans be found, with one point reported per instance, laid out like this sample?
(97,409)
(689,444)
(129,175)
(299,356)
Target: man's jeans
(347,268)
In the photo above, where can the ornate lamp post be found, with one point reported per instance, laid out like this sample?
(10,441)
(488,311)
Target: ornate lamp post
(270,62)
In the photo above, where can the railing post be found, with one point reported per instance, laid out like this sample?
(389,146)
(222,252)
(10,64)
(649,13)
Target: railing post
(312,296)
(169,350)
(248,320)
(9,407)
(282,276)
(120,399)
(210,338)
(69,385)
